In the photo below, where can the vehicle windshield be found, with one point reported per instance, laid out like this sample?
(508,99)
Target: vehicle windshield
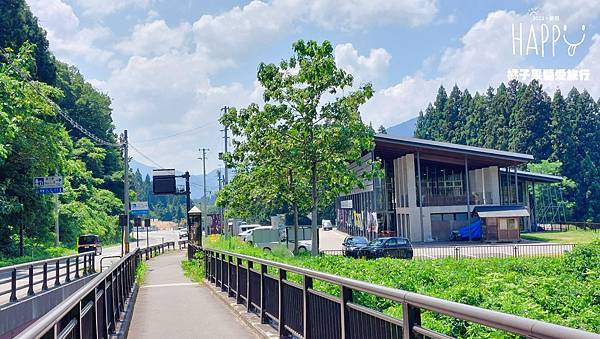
(87,239)
(378,241)
(357,241)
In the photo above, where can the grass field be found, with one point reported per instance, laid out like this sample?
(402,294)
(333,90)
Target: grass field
(568,237)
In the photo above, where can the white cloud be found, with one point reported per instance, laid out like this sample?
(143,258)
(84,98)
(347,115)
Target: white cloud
(154,38)
(366,68)
(232,33)
(236,31)
(358,14)
(401,101)
(101,8)
(572,11)
(66,36)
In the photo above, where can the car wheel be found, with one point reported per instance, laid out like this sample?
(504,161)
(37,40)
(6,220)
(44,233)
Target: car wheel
(266,249)
(301,249)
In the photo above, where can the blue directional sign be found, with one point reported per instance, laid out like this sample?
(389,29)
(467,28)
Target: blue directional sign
(139,208)
(48,185)
(50,190)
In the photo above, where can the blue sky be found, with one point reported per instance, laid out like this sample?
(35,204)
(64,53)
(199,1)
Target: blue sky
(170,65)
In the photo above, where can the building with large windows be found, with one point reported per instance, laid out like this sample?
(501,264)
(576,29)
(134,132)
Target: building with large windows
(430,189)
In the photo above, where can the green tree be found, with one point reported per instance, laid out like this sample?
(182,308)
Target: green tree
(310,113)
(530,122)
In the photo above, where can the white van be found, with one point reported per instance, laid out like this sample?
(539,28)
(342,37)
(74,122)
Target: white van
(267,237)
(245,230)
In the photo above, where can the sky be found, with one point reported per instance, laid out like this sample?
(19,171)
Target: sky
(170,66)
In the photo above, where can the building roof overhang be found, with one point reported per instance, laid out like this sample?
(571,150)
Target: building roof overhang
(501,211)
(445,152)
(536,177)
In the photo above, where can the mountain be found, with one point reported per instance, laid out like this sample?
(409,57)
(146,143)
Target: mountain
(196,181)
(405,129)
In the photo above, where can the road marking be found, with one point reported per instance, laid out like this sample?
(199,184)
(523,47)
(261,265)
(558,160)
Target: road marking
(169,285)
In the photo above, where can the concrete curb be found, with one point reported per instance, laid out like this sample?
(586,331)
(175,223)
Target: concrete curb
(249,319)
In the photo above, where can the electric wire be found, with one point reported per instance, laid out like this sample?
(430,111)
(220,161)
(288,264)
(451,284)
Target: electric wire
(59,110)
(145,156)
(177,133)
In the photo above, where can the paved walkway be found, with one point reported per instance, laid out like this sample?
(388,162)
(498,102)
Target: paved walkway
(169,305)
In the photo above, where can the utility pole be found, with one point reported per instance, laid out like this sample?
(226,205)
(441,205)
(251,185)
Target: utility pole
(124,144)
(56,226)
(220,180)
(226,137)
(204,204)
(188,204)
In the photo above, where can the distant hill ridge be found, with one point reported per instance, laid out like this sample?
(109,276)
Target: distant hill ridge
(404,129)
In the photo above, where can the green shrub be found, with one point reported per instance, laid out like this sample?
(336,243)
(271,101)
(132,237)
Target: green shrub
(562,290)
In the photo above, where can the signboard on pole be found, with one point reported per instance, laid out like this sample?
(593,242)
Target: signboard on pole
(346,204)
(139,208)
(163,181)
(48,185)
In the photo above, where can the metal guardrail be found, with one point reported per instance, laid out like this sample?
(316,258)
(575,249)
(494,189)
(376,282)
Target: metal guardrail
(303,312)
(482,251)
(95,309)
(54,272)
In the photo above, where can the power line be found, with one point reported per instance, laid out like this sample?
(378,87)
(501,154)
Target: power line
(145,156)
(65,116)
(176,134)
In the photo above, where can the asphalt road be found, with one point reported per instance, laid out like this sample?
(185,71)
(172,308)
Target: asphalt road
(155,237)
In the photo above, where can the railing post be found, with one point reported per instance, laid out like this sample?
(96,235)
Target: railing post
(93,259)
(68,276)
(263,296)
(281,328)
(45,277)
(346,296)
(57,273)
(411,316)
(30,290)
(224,273)
(456,252)
(85,265)
(238,298)
(13,285)
(77,267)
(229,269)
(306,285)
(248,287)
(515,251)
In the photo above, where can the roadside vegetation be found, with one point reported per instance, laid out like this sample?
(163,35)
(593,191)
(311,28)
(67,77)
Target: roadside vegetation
(140,273)
(194,269)
(563,290)
(569,237)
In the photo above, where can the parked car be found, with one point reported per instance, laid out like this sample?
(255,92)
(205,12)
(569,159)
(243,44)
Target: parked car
(244,228)
(268,237)
(352,245)
(89,243)
(183,233)
(393,247)
(327,225)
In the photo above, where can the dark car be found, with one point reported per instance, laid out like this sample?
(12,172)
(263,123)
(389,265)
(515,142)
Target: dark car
(352,245)
(393,247)
(89,243)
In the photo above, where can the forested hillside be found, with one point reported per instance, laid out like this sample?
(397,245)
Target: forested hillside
(524,118)
(36,141)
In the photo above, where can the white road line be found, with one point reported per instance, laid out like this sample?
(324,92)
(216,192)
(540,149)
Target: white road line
(169,285)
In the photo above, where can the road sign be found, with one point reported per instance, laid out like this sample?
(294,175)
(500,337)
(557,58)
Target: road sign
(47,185)
(163,181)
(139,208)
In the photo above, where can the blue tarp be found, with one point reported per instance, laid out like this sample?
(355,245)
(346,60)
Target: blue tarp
(475,231)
